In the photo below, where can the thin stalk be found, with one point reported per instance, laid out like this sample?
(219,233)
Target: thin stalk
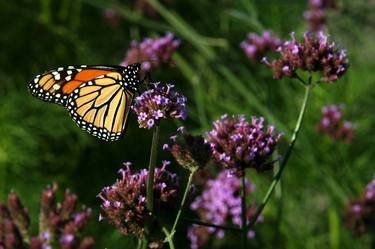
(283,163)
(139,243)
(144,243)
(151,168)
(243,212)
(182,202)
(300,80)
(279,200)
(168,237)
(201,223)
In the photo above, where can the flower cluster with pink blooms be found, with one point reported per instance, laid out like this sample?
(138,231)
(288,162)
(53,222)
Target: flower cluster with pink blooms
(124,203)
(238,144)
(152,53)
(360,213)
(314,54)
(160,102)
(256,46)
(333,125)
(60,224)
(219,204)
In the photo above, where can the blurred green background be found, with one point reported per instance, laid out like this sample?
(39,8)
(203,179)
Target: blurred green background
(39,143)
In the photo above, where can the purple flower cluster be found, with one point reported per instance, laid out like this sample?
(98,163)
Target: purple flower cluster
(160,102)
(59,223)
(315,16)
(238,144)
(332,124)
(360,214)
(314,54)
(256,46)
(152,53)
(124,203)
(191,152)
(219,204)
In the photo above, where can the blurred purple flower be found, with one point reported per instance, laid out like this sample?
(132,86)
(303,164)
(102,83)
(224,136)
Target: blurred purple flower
(152,53)
(58,222)
(124,203)
(333,125)
(220,204)
(112,17)
(145,7)
(315,16)
(160,102)
(314,54)
(256,46)
(238,144)
(359,214)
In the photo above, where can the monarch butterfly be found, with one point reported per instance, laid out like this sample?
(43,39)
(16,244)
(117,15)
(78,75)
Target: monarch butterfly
(98,98)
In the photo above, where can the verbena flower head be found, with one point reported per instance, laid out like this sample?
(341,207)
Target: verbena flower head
(333,125)
(313,54)
(124,203)
(152,53)
(256,46)
(191,152)
(59,223)
(315,16)
(238,144)
(220,204)
(160,102)
(359,215)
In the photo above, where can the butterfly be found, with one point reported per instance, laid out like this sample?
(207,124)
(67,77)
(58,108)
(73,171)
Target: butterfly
(98,98)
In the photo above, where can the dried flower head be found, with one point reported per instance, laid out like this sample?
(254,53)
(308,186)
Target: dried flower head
(160,102)
(152,53)
(220,204)
(60,223)
(333,125)
(191,152)
(314,54)
(238,144)
(359,215)
(256,46)
(124,203)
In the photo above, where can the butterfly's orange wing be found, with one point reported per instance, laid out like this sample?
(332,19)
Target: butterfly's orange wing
(56,85)
(101,106)
(97,97)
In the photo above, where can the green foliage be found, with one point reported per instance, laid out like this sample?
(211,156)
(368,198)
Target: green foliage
(39,143)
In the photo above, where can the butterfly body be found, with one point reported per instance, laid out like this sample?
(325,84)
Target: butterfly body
(98,98)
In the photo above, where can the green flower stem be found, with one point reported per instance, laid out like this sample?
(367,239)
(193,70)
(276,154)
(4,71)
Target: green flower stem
(279,201)
(243,212)
(283,163)
(192,172)
(144,242)
(151,168)
(139,243)
(201,223)
(168,237)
